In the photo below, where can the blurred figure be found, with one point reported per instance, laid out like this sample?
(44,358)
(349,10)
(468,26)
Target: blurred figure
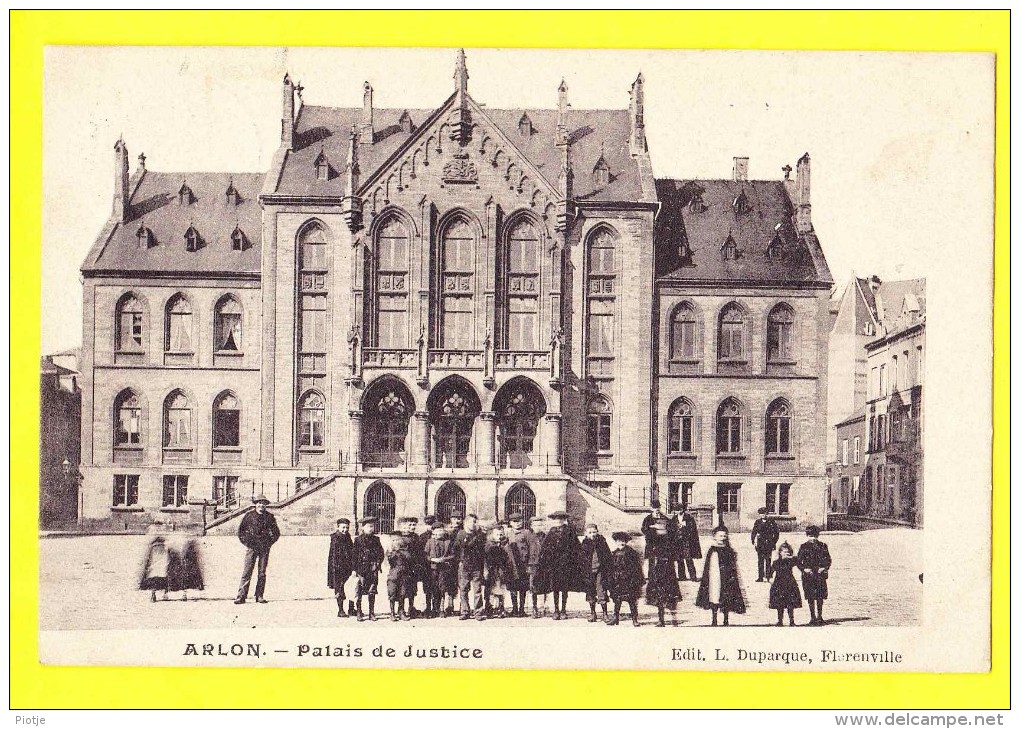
(155,566)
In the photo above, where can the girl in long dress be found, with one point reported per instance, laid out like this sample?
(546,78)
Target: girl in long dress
(784,593)
(720,588)
(663,590)
(155,567)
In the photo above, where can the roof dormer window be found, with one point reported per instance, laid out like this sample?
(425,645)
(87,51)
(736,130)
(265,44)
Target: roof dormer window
(730,252)
(741,205)
(600,173)
(685,253)
(145,237)
(322,172)
(406,124)
(233,196)
(774,250)
(524,125)
(192,240)
(238,240)
(697,204)
(185,196)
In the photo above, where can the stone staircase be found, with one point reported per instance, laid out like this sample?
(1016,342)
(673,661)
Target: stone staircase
(612,510)
(226,523)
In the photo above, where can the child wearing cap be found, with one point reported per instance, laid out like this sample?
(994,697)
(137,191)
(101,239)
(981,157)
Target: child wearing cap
(439,552)
(422,564)
(596,560)
(814,562)
(663,589)
(400,580)
(626,578)
(499,572)
(340,562)
(368,558)
(559,563)
(784,593)
(720,588)
(524,547)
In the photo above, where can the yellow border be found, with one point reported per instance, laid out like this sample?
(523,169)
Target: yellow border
(36,686)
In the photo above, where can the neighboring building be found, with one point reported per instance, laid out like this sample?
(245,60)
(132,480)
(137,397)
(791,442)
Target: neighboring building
(894,473)
(59,441)
(848,468)
(416,311)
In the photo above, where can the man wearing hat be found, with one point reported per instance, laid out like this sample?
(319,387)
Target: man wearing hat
(764,537)
(258,533)
(814,561)
(340,562)
(368,558)
(626,578)
(470,549)
(559,563)
(422,566)
(524,548)
(689,544)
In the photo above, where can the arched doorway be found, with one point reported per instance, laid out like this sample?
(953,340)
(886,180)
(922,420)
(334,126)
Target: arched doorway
(519,405)
(450,498)
(382,504)
(453,407)
(521,499)
(387,409)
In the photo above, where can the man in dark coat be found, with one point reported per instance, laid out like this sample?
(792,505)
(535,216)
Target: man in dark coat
(764,537)
(258,533)
(368,558)
(340,562)
(814,562)
(524,546)
(688,545)
(470,551)
(559,563)
(597,563)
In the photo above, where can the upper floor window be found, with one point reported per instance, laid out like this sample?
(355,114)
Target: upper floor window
(601,301)
(312,421)
(894,372)
(779,335)
(390,285)
(456,325)
(313,323)
(226,421)
(680,435)
(228,320)
(238,240)
(732,345)
(177,421)
(313,249)
(523,261)
(600,425)
(130,324)
(857,450)
(600,173)
(178,325)
(777,428)
(128,422)
(729,427)
(192,239)
(683,333)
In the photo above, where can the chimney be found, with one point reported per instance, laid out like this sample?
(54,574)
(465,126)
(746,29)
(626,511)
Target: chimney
(638,144)
(874,283)
(804,194)
(740,169)
(121,193)
(141,163)
(561,116)
(287,118)
(367,135)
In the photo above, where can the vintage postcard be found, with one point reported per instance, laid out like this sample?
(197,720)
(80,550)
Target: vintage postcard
(447,358)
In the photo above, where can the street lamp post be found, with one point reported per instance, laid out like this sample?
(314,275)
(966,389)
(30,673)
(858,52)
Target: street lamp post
(70,471)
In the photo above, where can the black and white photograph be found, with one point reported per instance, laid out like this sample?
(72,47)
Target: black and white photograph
(456,357)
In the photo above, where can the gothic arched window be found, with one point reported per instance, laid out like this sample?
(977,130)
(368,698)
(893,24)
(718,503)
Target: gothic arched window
(227,325)
(779,334)
(313,249)
(456,306)
(312,421)
(732,345)
(601,301)
(683,333)
(520,499)
(381,504)
(522,284)
(130,324)
(226,421)
(729,427)
(453,407)
(389,286)
(680,431)
(519,406)
(387,412)
(449,499)
(177,431)
(127,419)
(777,428)
(178,325)
(600,425)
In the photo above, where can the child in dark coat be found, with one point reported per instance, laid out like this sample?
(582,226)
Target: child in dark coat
(368,558)
(596,561)
(401,582)
(663,590)
(558,563)
(500,575)
(720,582)
(340,562)
(439,553)
(784,593)
(814,562)
(626,578)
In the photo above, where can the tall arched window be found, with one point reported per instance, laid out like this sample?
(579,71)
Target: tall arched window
(177,431)
(312,421)
(683,333)
(779,336)
(601,302)
(520,499)
(130,324)
(178,325)
(313,319)
(313,249)
(453,407)
(519,405)
(729,427)
(522,283)
(680,433)
(456,306)
(389,286)
(777,428)
(732,344)
(600,425)
(449,499)
(381,503)
(387,410)
(127,419)
(227,323)
(226,421)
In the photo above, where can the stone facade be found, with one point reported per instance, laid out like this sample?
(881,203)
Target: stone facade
(462,308)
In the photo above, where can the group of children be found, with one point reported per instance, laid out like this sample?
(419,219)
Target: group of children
(516,558)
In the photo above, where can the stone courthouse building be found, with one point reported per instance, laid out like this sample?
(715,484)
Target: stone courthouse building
(420,310)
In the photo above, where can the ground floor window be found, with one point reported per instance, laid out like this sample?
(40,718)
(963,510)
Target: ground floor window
(521,499)
(125,489)
(728,498)
(680,494)
(382,504)
(175,491)
(450,499)
(224,490)
(777,498)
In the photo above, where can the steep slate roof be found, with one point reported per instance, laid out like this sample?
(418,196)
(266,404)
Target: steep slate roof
(155,205)
(321,129)
(902,303)
(705,228)
(47,367)
(856,416)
